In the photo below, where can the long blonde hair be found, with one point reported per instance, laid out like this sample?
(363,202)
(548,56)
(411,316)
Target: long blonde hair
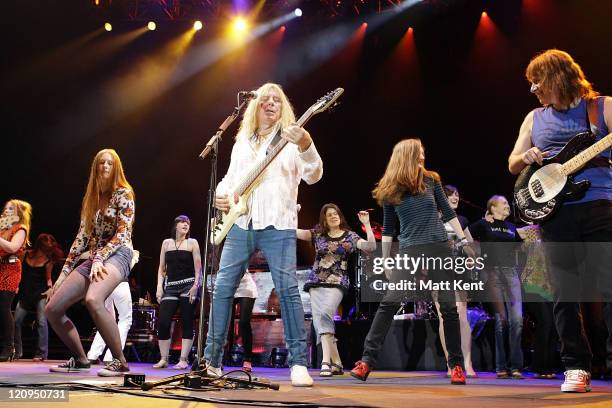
(250,122)
(557,71)
(24,212)
(91,201)
(403,173)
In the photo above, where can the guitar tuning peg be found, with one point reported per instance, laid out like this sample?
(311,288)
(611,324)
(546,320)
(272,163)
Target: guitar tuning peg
(333,106)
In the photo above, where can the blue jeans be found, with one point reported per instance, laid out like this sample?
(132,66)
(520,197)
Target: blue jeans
(506,291)
(279,249)
(41,323)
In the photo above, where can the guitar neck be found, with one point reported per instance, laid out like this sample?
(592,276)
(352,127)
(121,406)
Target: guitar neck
(587,154)
(259,168)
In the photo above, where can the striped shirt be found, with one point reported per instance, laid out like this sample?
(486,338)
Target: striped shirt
(418,216)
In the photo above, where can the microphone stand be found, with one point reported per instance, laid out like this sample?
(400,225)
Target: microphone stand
(210,251)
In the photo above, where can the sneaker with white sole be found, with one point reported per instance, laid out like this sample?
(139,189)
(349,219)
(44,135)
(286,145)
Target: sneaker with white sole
(114,369)
(576,381)
(300,376)
(213,372)
(71,366)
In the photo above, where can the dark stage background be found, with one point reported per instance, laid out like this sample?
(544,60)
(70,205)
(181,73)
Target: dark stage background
(457,82)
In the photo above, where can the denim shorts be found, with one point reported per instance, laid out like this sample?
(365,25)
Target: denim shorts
(121,259)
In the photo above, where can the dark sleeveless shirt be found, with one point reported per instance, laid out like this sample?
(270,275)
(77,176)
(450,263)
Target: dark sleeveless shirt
(33,284)
(179,265)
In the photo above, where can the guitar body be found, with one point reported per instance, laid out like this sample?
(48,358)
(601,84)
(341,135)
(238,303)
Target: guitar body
(539,191)
(225,221)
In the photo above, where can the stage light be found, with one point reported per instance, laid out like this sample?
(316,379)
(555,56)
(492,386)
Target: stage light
(197,25)
(298,12)
(364,25)
(108,27)
(283,28)
(151,26)
(240,25)
(484,14)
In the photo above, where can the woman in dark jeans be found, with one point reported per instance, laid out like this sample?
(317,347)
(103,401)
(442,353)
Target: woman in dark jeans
(413,195)
(34,291)
(499,241)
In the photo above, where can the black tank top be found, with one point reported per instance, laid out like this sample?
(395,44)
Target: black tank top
(33,283)
(179,265)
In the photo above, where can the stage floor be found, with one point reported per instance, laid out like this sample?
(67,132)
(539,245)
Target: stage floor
(383,389)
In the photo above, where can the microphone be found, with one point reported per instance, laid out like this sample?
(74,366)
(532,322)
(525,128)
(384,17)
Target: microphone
(247,94)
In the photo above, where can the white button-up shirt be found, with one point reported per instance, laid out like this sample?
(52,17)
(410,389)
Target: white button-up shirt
(273,202)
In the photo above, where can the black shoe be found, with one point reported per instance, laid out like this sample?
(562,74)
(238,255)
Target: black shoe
(8,354)
(516,374)
(71,366)
(502,374)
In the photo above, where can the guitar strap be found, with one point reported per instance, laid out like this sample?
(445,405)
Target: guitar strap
(274,141)
(592,116)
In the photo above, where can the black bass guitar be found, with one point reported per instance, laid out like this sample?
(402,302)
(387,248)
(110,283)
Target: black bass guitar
(540,190)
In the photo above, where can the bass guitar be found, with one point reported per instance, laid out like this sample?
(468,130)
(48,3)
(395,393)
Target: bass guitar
(540,190)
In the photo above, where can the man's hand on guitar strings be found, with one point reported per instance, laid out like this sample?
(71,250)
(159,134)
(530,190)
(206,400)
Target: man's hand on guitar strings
(534,155)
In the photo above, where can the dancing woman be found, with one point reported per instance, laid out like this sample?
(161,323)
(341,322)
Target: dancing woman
(410,193)
(13,240)
(178,282)
(503,284)
(107,217)
(328,282)
(34,291)
(452,195)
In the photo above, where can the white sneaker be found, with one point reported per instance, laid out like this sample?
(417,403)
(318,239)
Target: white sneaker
(576,381)
(214,372)
(300,376)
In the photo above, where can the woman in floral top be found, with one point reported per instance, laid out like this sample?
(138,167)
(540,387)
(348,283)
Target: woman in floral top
(334,242)
(107,216)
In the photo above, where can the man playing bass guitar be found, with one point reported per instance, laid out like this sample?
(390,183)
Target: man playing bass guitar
(571,106)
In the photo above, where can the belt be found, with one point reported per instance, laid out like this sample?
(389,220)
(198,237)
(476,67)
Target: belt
(8,259)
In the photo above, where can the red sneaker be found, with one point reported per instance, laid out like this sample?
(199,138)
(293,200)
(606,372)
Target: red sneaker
(458,376)
(361,370)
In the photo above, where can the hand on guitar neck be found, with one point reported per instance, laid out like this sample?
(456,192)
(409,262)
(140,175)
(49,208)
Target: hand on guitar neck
(297,135)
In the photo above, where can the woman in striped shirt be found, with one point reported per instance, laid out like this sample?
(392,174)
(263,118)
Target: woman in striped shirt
(413,195)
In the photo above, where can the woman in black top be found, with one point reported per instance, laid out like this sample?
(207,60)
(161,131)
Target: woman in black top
(503,283)
(34,291)
(413,195)
(178,281)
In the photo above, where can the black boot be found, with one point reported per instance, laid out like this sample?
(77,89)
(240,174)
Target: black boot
(8,353)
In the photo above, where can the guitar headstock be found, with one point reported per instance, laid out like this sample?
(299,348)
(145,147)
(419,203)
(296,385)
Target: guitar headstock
(326,101)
